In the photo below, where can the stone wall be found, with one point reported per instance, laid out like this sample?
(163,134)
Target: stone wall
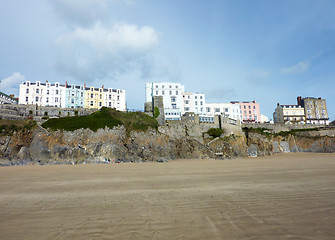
(276,128)
(15,112)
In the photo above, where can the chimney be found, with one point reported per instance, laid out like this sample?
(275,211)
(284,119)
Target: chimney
(84,85)
(102,86)
(278,104)
(299,100)
(66,84)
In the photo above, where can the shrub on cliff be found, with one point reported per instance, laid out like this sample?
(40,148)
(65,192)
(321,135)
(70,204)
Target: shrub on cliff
(105,117)
(7,127)
(215,132)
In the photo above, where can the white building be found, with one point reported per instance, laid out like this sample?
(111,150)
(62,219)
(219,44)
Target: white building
(228,109)
(114,98)
(194,102)
(42,94)
(172,97)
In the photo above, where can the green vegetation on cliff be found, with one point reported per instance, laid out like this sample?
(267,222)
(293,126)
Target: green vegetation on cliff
(215,132)
(7,127)
(105,117)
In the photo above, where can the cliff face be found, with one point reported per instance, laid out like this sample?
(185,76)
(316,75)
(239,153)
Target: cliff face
(38,146)
(260,145)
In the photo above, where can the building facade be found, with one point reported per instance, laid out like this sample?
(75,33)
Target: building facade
(42,94)
(71,96)
(7,99)
(226,109)
(114,98)
(172,94)
(194,102)
(289,114)
(74,96)
(315,110)
(249,110)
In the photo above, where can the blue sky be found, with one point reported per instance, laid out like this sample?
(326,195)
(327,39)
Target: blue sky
(268,51)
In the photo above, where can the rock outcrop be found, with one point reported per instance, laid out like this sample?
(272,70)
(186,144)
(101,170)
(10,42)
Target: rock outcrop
(38,146)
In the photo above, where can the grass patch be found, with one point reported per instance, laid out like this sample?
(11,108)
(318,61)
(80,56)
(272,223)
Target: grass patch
(8,127)
(105,117)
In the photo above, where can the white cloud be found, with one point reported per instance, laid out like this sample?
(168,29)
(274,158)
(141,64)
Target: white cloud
(300,67)
(102,52)
(11,84)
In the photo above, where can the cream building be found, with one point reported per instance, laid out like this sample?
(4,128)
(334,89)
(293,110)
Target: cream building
(227,109)
(289,114)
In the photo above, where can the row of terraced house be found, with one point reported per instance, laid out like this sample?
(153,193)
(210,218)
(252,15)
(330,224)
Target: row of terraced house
(71,96)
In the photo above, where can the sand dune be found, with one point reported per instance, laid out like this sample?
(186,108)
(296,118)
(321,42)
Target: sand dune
(287,196)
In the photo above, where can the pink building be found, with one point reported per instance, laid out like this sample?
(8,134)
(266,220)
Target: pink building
(250,111)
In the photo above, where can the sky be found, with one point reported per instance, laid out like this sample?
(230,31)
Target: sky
(237,50)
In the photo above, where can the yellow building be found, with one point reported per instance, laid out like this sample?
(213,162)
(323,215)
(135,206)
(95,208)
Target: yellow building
(93,97)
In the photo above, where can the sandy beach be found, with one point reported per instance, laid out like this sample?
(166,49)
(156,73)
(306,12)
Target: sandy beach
(286,196)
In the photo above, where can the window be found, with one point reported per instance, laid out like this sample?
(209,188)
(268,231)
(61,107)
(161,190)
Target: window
(176,92)
(36,99)
(72,101)
(173,99)
(187,109)
(201,103)
(195,97)
(249,107)
(100,104)
(38,84)
(28,84)
(245,107)
(208,109)
(226,109)
(200,97)
(118,98)
(174,106)
(110,96)
(92,95)
(56,91)
(163,92)
(26,99)
(37,90)
(170,92)
(187,102)
(27,91)
(156,92)
(201,109)
(196,103)
(56,99)
(254,107)
(47,92)
(110,104)
(100,96)
(156,86)
(170,86)
(82,95)
(217,109)
(91,103)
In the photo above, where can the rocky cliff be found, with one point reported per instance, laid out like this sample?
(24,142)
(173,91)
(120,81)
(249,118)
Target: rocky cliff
(38,146)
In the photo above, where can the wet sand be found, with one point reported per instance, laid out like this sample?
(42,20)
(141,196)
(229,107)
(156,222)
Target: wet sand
(286,196)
